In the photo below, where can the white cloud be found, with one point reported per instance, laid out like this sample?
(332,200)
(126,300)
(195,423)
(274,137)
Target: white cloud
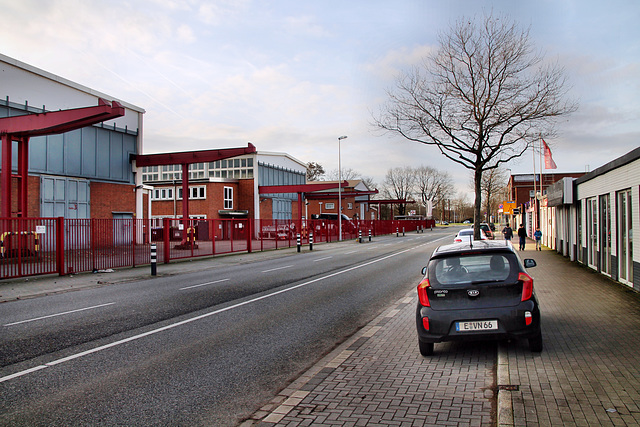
(388,67)
(217,12)
(306,25)
(185,34)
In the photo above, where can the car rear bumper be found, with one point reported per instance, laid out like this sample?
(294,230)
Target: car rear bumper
(511,323)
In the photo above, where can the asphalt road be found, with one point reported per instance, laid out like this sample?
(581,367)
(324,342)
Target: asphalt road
(201,348)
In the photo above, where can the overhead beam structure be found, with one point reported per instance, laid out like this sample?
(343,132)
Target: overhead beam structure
(21,128)
(334,195)
(300,189)
(185,159)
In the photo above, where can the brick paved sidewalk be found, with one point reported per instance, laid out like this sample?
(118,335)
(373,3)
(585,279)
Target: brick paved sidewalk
(378,377)
(589,371)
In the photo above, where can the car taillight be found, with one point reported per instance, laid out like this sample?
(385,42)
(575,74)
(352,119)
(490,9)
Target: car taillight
(528,318)
(422,292)
(527,286)
(425,323)
(457,240)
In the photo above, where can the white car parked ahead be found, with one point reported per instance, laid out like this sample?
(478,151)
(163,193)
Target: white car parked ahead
(466,235)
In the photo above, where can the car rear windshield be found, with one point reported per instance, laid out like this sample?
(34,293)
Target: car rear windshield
(475,268)
(465,233)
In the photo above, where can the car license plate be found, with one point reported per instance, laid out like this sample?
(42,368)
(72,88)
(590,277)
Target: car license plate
(478,325)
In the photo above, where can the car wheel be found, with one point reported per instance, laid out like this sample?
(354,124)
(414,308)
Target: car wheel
(426,348)
(535,343)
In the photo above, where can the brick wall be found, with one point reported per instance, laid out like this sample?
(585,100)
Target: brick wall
(107,198)
(244,199)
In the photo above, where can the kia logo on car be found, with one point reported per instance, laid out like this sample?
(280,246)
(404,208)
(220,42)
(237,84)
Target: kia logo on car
(473,292)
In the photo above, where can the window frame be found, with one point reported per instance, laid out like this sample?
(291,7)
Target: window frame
(228,197)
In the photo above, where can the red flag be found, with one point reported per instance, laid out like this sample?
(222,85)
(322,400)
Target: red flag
(548,159)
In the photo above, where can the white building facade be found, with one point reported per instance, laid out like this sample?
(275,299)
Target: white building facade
(597,219)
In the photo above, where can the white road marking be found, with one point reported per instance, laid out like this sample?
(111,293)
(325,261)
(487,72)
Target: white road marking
(276,269)
(58,314)
(202,316)
(322,259)
(203,284)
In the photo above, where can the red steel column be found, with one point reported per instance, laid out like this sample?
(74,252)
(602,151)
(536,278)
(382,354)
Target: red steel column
(185,201)
(165,238)
(249,235)
(60,245)
(23,173)
(5,178)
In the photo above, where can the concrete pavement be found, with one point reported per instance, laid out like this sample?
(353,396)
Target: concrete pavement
(587,374)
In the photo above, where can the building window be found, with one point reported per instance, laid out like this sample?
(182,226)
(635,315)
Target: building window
(241,167)
(196,192)
(150,173)
(196,170)
(228,197)
(231,168)
(329,206)
(162,194)
(171,172)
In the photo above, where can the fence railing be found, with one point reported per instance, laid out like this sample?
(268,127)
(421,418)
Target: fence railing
(37,246)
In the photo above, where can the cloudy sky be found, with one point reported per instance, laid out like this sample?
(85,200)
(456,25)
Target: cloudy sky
(291,76)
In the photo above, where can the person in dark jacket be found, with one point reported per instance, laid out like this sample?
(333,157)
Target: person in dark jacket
(507,232)
(522,234)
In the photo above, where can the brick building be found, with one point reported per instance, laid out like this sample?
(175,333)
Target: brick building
(522,189)
(355,200)
(227,188)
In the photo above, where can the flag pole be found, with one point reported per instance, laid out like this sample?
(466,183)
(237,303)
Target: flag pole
(535,191)
(540,178)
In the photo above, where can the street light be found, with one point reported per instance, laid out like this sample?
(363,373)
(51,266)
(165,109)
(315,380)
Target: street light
(340,138)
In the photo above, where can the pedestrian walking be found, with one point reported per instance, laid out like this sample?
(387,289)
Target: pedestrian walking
(538,236)
(507,232)
(522,234)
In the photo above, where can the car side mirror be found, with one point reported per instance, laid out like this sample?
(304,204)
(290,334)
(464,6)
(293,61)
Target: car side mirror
(424,271)
(528,263)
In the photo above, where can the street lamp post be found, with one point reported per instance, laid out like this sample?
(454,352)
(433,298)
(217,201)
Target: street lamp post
(340,138)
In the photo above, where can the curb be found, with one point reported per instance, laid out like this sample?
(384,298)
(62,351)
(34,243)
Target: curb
(505,401)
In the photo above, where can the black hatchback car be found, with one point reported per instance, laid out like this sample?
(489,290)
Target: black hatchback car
(477,291)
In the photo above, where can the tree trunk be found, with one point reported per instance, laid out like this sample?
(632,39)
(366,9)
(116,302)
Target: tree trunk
(477,209)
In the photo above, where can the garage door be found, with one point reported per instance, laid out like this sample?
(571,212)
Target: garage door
(65,197)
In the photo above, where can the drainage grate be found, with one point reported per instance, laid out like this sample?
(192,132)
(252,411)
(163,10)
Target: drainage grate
(509,387)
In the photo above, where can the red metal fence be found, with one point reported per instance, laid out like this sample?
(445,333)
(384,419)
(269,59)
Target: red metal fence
(35,246)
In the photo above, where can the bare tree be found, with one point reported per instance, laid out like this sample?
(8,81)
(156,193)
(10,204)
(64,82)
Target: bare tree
(483,98)
(462,207)
(315,171)
(398,184)
(347,174)
(432,184)
(369,182)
